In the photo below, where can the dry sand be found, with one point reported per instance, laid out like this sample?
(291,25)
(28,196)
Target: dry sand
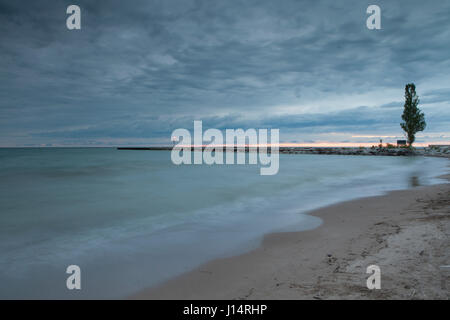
(405,233)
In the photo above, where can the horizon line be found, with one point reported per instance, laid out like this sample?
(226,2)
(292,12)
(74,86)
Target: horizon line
(281,144)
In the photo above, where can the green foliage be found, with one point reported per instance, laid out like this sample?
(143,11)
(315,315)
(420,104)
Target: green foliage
(413,118)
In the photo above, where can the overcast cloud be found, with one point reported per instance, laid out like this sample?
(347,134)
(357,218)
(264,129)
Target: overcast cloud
(139,69)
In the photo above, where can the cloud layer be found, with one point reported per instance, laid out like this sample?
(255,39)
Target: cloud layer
(138,70)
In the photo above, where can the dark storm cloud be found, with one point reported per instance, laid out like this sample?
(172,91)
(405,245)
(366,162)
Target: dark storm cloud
(143,68)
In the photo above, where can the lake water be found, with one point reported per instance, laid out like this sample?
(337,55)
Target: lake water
(131,219)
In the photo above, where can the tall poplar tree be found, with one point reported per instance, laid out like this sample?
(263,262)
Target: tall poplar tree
(413,118)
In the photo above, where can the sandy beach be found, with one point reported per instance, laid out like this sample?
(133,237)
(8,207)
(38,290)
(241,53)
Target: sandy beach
(406,233)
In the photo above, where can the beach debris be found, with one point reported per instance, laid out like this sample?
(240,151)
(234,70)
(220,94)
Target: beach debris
(331,259)
(337,269)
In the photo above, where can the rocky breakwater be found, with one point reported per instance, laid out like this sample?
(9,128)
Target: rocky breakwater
(435,151)
(374,151)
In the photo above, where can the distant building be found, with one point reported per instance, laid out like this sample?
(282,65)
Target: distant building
(401,143)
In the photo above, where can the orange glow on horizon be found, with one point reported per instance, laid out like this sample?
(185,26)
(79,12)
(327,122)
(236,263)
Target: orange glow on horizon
(354,144)
(324,144)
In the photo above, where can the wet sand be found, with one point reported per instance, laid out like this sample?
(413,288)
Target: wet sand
(406,233)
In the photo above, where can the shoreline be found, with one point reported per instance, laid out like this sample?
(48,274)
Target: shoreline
(391,150)
(404,232)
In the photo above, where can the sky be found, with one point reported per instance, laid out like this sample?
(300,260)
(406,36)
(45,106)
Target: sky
(137,70)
